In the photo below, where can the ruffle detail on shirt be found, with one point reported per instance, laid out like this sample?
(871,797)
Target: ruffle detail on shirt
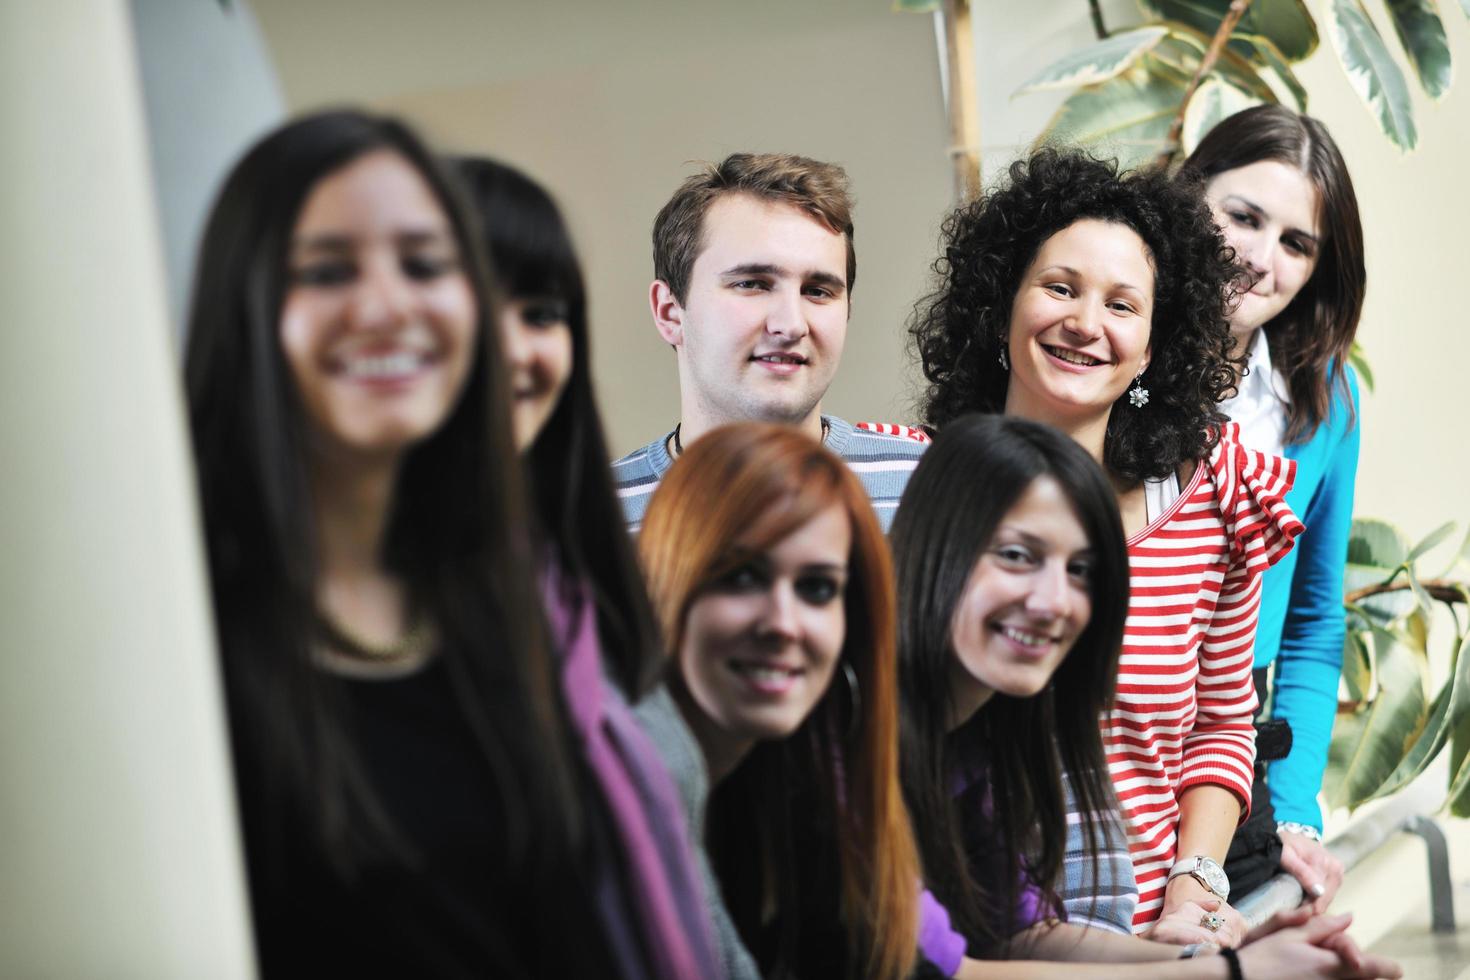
(911,432)
(1251,488)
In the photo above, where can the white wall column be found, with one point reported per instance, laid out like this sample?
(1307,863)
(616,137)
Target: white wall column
(119,854)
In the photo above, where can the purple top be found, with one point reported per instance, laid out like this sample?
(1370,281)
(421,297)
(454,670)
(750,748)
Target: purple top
(939,943)
(642,800)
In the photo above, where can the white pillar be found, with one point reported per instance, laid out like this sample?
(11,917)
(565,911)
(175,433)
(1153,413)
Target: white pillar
(119,855)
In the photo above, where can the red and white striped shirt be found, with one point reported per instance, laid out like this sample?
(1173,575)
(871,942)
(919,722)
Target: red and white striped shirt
(1182,713)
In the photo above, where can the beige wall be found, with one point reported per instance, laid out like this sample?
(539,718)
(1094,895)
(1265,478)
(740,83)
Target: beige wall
(604,102)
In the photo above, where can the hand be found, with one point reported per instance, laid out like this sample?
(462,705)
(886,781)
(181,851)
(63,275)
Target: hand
(1186,903)
(1312,864)
(1286,947)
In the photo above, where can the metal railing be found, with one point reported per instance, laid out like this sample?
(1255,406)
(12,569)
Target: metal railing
(1409,812)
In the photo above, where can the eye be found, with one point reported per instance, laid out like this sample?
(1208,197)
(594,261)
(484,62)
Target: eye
(1058,288)
(1122,306)
(1246,218)
(544,314)
(818,292)
(750,285)
(1297,246)
(426,267)
(742,578)
(1014,556)
(333,272)
(1080,571)
(818,590)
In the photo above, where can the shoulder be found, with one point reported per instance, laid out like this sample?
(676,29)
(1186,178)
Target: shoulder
(1250,488)
(637,475)
(660,720)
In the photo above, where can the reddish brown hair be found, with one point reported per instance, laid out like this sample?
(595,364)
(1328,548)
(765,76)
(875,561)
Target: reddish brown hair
(817,188)
(751,485)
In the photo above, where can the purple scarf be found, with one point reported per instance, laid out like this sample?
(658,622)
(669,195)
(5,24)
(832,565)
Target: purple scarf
(640,794)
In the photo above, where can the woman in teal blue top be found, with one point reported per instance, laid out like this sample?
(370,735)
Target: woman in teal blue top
(1283,197)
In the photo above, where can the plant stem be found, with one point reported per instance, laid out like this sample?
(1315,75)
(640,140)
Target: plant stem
(1212,54)
(1443,591)
(1098,26)
(964,114)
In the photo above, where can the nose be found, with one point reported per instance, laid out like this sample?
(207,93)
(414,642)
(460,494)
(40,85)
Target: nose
(1085,321)
(786,317)
(1051,591)
(516,340)
(1257,252)
(779,619)
(383,299)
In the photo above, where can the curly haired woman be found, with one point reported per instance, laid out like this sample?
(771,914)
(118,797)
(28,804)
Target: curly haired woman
(1096,302)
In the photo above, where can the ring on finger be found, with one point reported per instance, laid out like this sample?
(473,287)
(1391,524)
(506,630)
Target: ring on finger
(1317,890)
(1212,921)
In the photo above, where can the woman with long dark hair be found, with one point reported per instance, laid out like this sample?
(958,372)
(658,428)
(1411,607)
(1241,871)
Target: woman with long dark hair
(411,797)
(1012,583)
(592,587)
(1281,193)
(772,583)
(1096,302)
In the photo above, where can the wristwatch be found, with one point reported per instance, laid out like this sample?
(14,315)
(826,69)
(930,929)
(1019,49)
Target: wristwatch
(1206,872)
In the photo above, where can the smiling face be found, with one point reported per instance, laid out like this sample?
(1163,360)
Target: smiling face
(1080,323)
(761,330)
(1025,603)
(761,643)
(1268,212)
(538,349)
(378,321)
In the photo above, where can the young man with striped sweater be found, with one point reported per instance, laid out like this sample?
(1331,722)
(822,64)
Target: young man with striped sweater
(754,266)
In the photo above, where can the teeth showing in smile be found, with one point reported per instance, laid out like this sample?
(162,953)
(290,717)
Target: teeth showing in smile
(764,675)
(1024,637)
(1072,356)
(384,366)
(780,359)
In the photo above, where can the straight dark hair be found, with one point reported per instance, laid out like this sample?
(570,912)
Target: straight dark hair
(571,483)
(455,534)
(1310,339)
(963,488)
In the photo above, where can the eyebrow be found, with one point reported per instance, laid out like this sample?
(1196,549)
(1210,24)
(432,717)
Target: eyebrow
(1073,272)
(334,242)
(1034,541)
(1253,206)
(818,277)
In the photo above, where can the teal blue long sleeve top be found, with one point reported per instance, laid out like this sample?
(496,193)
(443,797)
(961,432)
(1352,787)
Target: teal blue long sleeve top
(1301,620)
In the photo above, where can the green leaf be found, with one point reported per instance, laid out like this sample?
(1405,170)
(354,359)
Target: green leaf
(1425,602)
(1458,731)
(1421,32)
(1465,6)
(1347,732)
(1357,666)
(1288,23)
(1185,48)
(1463,552)
(1211,103)
(1373,73)
(1359,360)
(1096,62)
(1392,723)
(915,6)
(1431,540)
(1268,56)
(1450,708)
(1377,543)
(1127,116)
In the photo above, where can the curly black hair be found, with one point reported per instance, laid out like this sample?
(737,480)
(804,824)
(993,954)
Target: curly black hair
(959,328)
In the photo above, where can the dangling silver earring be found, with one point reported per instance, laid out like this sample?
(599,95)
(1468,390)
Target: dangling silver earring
(1005,359)
(855,695)
(1138,394)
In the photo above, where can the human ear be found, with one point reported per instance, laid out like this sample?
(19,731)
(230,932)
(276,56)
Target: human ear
(668,314)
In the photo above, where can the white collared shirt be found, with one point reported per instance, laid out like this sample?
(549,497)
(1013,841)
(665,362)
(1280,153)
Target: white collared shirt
(1261,404)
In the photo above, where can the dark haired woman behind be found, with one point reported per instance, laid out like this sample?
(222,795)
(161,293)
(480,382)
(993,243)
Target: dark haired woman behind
(592,588)
(1283,197)
(410,800)
(1012,574)
(1095,302)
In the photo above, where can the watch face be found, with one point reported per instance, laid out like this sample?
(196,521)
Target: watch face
(1215,877)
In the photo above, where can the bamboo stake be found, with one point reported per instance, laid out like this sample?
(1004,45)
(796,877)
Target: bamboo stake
(964,114)
(1212,54)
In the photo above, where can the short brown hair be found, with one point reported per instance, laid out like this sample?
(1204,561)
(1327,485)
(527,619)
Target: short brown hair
(820,189)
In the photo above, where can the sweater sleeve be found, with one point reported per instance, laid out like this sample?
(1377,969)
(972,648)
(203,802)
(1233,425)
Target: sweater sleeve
(1098,890)
(1310,661)
(1259,527)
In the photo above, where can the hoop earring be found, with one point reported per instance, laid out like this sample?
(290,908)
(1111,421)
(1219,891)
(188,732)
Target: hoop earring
(1005,359)
(1138,394)
(855,695)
